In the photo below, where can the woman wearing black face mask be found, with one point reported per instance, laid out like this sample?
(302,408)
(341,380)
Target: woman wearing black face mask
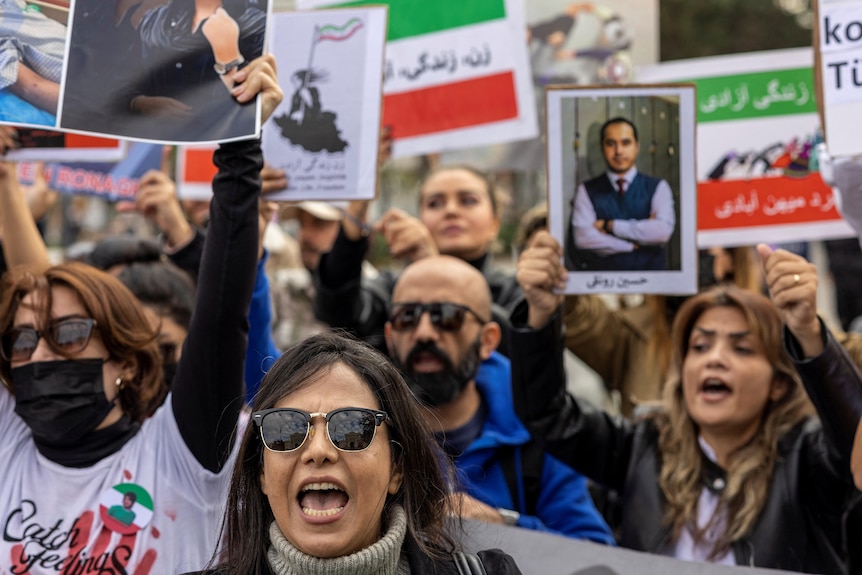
(81,371)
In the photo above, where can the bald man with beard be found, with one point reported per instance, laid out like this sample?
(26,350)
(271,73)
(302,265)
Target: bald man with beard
(440,335)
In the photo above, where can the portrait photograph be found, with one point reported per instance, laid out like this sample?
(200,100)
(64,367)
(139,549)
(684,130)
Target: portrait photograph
(622,187)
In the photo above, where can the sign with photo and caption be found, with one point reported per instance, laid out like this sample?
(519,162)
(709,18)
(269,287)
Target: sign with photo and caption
(757,125)
(840,59)
(622,188)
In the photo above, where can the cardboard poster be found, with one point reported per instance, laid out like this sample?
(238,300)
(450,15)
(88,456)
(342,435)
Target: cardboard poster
(111,182)
(456,74)
(325,133)
(44,145)
(195,173)
(621,187)
(839,49)
(757,126)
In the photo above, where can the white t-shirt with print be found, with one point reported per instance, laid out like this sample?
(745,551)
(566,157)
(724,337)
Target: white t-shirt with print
(56,519)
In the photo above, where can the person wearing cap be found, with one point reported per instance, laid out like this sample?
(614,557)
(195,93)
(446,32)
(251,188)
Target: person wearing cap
(293,288)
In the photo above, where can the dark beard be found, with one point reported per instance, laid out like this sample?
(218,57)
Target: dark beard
(434,389)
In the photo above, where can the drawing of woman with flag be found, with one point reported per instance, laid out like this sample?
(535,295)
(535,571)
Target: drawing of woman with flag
(306,124)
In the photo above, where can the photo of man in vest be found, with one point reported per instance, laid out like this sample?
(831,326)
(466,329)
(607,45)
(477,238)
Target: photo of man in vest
(622,219)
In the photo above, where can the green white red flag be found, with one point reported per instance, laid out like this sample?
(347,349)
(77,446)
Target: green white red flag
(456,73)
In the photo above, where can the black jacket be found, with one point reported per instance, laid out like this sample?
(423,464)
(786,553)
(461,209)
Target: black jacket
(344,300)
(496,563)
(800,525)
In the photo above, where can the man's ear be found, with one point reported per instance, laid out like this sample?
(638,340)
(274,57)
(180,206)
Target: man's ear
(387,335)
(491,335)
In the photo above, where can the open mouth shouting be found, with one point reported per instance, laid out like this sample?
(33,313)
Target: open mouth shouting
(322,499)
(714,389)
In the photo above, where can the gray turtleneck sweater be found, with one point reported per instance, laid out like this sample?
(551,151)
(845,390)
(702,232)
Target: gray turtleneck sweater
(382,558)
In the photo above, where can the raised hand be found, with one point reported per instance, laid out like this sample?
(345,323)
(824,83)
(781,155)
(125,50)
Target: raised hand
(259,77)
(539,273)
(792,282)
(408,238)
(157,201)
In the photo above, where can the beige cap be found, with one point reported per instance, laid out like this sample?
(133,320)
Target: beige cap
(331,211)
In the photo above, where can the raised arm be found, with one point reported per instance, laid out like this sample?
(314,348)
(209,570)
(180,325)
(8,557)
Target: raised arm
(579,435)
(22,243)
(831,379)
(208,387)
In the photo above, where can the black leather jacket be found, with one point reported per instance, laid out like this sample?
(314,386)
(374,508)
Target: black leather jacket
(800,527)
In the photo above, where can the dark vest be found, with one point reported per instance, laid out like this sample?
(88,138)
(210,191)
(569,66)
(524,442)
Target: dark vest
(634,204)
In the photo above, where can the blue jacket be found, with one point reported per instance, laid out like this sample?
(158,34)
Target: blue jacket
(262,351)
(564,505)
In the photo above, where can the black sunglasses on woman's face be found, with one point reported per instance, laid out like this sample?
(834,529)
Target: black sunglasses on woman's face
(66,336)
(284,429)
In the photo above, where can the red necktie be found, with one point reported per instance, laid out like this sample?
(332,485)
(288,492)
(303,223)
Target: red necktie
(621,184)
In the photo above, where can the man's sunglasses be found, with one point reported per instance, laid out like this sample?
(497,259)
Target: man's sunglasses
(65,336)
(284,429)
(445,316)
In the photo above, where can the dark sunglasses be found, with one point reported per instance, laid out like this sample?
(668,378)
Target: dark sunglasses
(65,336)
(445,316)
(349,428)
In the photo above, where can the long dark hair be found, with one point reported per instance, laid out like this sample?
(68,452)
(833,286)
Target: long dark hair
(425,468)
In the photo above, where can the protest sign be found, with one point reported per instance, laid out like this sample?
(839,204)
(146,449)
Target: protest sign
(622,188)
(111,182)
(839,49)
(109,69)
(195,173)
(49,146)
(456,73)
(757,126)
(325,133)
(551,554)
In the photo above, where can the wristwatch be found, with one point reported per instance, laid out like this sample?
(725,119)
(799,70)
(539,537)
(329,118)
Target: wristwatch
(510,517)
(222,69)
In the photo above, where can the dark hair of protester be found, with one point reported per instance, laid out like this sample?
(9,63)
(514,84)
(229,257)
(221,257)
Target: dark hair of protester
(750,470)
(122,250)
(120,323)
(163,287)
(422,493)
(617,120)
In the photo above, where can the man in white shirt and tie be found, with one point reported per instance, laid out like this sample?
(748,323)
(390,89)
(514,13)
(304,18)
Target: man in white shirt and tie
(622,219)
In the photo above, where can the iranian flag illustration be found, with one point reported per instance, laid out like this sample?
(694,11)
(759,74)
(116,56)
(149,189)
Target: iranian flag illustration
(126,508)
(456,73)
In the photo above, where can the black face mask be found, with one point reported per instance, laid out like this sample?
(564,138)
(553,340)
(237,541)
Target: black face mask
(61,401)
(435,389)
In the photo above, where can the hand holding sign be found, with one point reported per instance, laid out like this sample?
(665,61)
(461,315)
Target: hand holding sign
(259,77)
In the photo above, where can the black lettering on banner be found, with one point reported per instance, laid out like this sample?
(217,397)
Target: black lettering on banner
(857,26)
(837,66)
(831,31)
